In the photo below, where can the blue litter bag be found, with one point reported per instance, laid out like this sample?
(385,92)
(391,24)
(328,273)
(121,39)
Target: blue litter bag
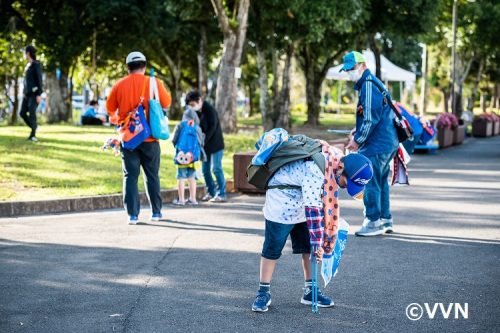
(268,143)
(331,262)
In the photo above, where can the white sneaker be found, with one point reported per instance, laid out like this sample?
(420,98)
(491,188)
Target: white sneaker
(387,224)
(370,228)
(206,197)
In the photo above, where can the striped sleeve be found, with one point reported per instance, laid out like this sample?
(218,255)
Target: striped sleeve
(370,117)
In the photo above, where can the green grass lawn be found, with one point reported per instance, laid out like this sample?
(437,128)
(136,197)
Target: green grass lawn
(344,121)
(68,162)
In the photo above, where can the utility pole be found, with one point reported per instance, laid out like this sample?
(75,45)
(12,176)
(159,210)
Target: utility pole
(453,58)
(423,85)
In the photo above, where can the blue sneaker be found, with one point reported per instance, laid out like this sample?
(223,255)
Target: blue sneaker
(262,301)
(323,301)
(156,217)
(133,220)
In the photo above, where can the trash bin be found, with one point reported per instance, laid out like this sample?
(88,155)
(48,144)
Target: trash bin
(240,164)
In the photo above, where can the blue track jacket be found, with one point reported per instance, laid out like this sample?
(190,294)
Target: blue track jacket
(375,132)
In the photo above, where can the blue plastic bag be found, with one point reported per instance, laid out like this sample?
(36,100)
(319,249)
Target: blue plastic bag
(330,263)
(157,119)
(268,143)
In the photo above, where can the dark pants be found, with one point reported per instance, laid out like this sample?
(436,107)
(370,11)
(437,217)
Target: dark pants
(146,155)
(28,113)
(91,121)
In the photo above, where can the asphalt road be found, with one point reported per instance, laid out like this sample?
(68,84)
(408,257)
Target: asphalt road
(197,270)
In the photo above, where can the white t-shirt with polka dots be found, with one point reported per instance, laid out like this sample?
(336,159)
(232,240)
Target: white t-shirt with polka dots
(288,205)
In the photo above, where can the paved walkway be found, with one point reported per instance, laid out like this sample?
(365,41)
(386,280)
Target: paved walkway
(197,270)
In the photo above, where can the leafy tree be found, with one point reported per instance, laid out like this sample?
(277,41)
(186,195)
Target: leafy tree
(12,64)
(404,18)
(323,33)
(270,39)
(477,45)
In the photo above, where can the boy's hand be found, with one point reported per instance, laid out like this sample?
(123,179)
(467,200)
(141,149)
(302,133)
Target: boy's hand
(319,254)
(353,145)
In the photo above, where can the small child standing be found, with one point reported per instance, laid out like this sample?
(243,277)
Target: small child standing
(188,141)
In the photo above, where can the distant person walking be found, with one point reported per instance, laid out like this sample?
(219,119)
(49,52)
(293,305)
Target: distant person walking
(376,138)
(214,147)
(33,87)
(124,98)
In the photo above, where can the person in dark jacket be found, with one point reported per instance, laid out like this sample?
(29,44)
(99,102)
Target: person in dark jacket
(32,91)
(214,146)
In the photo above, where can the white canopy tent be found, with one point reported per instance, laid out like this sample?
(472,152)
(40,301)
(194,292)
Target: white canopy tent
(388,71)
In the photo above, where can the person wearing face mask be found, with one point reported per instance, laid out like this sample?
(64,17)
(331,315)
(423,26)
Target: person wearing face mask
(214,147)
(376,138)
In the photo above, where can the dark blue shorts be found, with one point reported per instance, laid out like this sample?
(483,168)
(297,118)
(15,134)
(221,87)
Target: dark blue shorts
(276,235)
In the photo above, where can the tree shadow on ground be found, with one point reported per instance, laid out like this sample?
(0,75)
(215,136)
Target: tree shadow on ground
(58,287)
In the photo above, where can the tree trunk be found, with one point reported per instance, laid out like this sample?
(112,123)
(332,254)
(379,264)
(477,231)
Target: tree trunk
(459,84)
(283,106)
(226,93)
(423,90)
(376,53)
(59,101)
(203,62)
(251,95)
(473,96)
(267,120)
(15,104)
(446,97)
(315,75)
(313,98)
(482,102)
(175,111)
(234,37)
(494,98)
(459,105)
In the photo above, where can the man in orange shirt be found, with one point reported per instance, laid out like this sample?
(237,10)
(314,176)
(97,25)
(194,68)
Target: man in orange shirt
(125,96)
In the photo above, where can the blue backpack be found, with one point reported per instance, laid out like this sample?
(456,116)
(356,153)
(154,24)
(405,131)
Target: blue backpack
(188,148)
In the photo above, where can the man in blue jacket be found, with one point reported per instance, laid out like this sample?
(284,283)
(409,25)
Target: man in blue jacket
(376,138)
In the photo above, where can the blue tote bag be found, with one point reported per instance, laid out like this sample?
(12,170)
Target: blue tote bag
(158,122)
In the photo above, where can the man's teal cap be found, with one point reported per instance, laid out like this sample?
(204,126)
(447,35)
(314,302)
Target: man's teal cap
(351,59)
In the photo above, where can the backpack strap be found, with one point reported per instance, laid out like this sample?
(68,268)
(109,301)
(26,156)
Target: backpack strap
(387,97)
(284,187)
(143,89)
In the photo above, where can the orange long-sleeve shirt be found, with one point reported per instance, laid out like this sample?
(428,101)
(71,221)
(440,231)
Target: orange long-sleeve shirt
(125,96)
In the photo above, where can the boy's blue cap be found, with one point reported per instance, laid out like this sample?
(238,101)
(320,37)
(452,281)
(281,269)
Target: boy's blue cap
(359,171)
(351,59)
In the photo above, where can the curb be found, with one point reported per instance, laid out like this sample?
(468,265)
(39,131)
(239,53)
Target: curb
(80,204)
